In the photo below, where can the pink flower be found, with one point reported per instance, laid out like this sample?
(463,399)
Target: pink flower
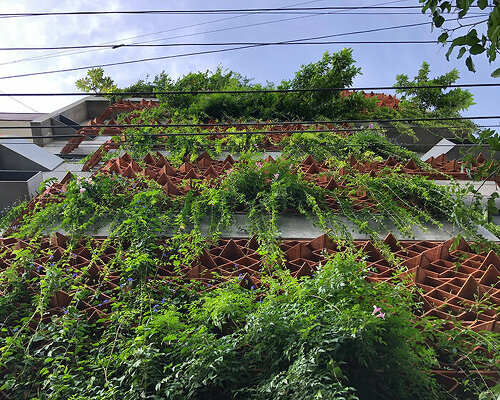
(82,190)
(381,315)
(370,126)
(259,164)
(376,310)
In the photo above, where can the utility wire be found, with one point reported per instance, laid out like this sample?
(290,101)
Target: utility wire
(288,10)
(237,133)
(225,124)
(117,46)
(58,54)
(256,91)
(46,56)
(214,51)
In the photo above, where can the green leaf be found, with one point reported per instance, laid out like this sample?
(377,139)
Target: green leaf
(438,21)
(482,4)
(442,38)
(470,64)
(461,52)
(496,73)
(476,49)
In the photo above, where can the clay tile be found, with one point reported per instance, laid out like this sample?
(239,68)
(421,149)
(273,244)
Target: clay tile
(170,188)
(305,270)
(149,173)
(122,162)
(391,162)
(343,171)
(392,242)
(126,158)
(309,160)
(66,178)
(491,258)
(136,167)
(451,166)
(313,169)
(167,169)
(247,282)
(322,242)
(470,290)
(186,167)
(359,167)
(229,160)
(163,179)
(491,277)
(58,240)
(211,173)
(418,261)
(253,243)
(227,166)
(204,163)
(204,156)
(372,173)
(206,259)
(480,158)
(373,253)
(268,159)
(195,272)
(441,159)
(129,172)
(231,251)
(298,251)
(430,160)
(114,168)
(332,185)
(161,161)
(191,174)
(149,159)
(112,121)
(411,164)
(352,160)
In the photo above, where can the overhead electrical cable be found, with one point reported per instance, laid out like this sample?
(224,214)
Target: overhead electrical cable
(255,91)
(63,53)
(213,51)
(116,46)
(288,10)
(266,123)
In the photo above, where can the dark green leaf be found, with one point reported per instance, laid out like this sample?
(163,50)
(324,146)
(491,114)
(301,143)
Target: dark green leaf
(446,6)
(482,4)
(442,38)
(496,73)
(470,64)
(438,21)
(461,52)
(476,49)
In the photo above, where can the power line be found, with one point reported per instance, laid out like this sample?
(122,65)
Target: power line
(254,91)
(213,51)
(117,46)
(234,124)
(288,10)
(236,133)
(47,56)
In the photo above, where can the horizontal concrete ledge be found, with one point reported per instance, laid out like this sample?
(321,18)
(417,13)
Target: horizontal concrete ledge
(296,226)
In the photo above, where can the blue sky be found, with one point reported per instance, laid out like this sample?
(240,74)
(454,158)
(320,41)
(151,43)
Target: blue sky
(379,63)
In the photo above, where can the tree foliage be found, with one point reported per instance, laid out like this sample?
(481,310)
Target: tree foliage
(485,41)
(96,81)
(434,98)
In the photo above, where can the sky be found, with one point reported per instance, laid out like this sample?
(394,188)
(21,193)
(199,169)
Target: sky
(379,63)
